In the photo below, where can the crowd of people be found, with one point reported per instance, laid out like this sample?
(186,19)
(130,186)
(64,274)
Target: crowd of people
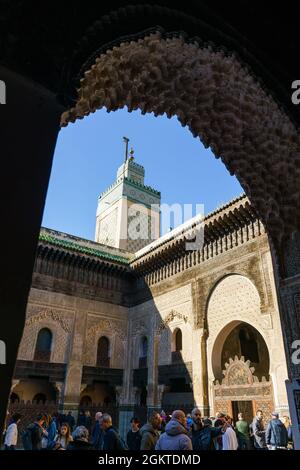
(161,432)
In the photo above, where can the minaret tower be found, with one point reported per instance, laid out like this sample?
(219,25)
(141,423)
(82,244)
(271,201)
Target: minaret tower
(128,213)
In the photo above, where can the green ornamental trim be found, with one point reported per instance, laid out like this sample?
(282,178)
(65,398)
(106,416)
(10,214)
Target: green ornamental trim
(82,249)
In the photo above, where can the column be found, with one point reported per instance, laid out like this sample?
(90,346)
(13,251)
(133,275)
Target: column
(126,399)
(200,378)
(286,264)
(29,127)
(73,381)
(152,389)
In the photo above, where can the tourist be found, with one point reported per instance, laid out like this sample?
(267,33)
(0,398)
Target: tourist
(288,425)
(189,421)
(203,434)
(63,438)
(150,432)
(11,435)
(133,436)
(98,433)
(70,420)
(51,431)
(81,418)
(220,422)
(164,420)
(276,433)
(243,433)
(258,431)
(80,440)
(229,439)
(111,439)
(175,436)
(88,421)
(32,436)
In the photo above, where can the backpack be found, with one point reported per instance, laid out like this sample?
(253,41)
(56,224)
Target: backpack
(27,439)
(121,443)
(280,434)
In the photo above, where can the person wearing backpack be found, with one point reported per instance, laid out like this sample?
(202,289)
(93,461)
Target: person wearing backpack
(32,436)
(112,439)
(276,433)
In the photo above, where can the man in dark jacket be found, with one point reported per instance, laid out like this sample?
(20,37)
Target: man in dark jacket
(70,420)
(203,434)
(258,431)
(276,433)
(37,432)
(98,433)
(149,432)
(133,436)
(111,439)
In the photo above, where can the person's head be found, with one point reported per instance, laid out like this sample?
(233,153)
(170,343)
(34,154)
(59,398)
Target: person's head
(259,414)
(135,424)
(155,420)
(220,420)
(81,434)
(286,421)
(65,431)
(105,421)
(70,413)
(196,416)
(228,419)
(16,418)
(240,417)
(48,420)
(98,416)
(40,419)
(87,413)
(275,415)
(180,416)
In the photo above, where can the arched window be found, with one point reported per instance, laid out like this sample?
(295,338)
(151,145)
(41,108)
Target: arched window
(248,345)
(143,352)
(103,352)
(14,398)
(177,345)
(86,401)
(43,345)
(40,398)
(178,340)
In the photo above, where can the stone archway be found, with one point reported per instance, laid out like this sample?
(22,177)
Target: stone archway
(234,302)
(242,383)
(41,121)
(220,101)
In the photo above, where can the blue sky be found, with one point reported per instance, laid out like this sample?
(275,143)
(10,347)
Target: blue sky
(89,152)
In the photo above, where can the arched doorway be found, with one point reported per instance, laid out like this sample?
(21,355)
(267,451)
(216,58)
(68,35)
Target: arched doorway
(241,363)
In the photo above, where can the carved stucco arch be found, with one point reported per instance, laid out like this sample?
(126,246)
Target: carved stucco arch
(221,103)
(115,336)
(220,339)
(223,326)
(215,281)
(60,336)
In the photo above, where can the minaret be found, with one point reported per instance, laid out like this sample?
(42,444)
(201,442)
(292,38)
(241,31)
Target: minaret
(128,213)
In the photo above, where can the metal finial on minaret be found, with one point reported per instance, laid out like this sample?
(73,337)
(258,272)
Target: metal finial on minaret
(131,154)
(126,140)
